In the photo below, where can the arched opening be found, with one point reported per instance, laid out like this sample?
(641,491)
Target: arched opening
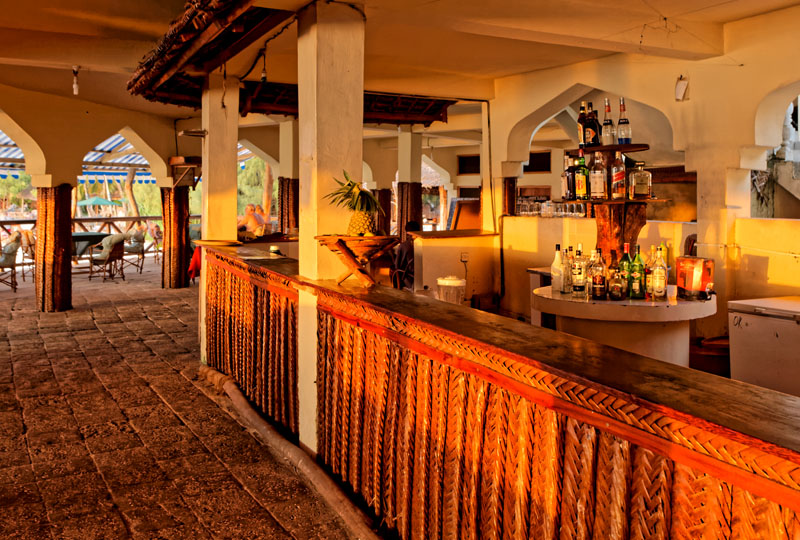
(537,144)
(17,196)
(257,183)
(775,190)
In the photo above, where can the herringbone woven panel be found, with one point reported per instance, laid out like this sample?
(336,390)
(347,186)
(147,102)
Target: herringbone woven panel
(388,468)
(454,462)
(440,377)
(756,518)
(577,485)
(493,464)
(475,425)
(612,485)
(406,425)
(422,452)
(518,467)
(701,506)
(546,463)
(651,484)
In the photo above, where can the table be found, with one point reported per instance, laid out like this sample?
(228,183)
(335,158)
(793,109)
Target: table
(82,240)
(540,277)
(659,330)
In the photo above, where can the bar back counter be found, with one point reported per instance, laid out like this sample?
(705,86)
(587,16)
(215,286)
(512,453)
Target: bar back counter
(454,423)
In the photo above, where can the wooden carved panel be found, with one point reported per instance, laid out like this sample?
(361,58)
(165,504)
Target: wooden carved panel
(54,248)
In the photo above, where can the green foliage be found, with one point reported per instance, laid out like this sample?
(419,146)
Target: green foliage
(352,196)
(10,188)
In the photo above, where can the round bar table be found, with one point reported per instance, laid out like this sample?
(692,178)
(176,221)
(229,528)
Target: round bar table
(659,330)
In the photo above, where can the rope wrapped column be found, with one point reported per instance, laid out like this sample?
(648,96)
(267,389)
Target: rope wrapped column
(409,205)
(383,221)
(288,203)
(175,263)
(54,248)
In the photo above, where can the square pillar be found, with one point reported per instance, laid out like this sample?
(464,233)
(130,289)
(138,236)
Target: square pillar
(409,178)
(220,118)
(330,61)
(54,248)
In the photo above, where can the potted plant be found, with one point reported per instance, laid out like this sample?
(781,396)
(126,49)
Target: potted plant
(361,202)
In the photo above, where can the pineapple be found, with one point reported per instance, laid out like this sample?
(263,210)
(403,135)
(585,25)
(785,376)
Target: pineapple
(360,201)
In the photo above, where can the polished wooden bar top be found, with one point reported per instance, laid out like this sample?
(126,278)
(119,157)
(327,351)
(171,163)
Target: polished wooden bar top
(761,413)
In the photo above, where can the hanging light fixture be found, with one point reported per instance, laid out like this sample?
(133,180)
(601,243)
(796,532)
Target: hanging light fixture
(75,80)
(264,65)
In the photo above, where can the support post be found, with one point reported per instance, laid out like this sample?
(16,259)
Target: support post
(54,248)
(510,196)
(288,203)
(383,222)
(220,118)
(409,178)
(330,51)
(175,262)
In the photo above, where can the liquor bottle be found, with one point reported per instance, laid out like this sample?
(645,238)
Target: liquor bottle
(568,180)
(618,177)
(579,276)
(608,135)
(598,276)
(581,178)
(648,273)
(598,178)
(582,125)
(637,277)
(566,276)
(659,272)
(617,286)
(625,267)
(640,182)
(624,135)
(591,127)
(557,271)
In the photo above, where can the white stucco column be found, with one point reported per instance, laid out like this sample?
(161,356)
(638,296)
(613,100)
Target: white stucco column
(409,155)
(289,149)
(330,51)
(220,117)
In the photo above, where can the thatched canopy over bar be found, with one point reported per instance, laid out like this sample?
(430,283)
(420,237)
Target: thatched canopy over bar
(211,32)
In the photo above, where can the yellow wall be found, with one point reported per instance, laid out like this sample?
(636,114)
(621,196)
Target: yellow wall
(440,257)
(766,257)
(529,242)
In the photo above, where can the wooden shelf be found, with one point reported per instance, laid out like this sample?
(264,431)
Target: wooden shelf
(611,148)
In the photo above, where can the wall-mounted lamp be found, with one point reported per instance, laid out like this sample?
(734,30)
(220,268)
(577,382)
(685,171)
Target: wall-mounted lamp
(75,80)
(682,88)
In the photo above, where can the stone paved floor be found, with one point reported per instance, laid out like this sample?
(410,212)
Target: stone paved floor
(105,431)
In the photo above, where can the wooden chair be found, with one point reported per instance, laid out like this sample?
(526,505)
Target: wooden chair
(136,247)
(8,262)
(28,246)
(109,261)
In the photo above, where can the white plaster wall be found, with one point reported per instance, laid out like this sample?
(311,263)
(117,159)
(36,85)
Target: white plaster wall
(440,257)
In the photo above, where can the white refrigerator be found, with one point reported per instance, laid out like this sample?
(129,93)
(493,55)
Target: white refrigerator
(765,342)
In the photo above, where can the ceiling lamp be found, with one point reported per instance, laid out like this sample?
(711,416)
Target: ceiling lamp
(75,80)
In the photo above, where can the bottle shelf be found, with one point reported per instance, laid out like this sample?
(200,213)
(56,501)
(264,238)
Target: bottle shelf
(611,148)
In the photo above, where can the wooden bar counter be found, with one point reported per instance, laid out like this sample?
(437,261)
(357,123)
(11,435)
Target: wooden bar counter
(454,423)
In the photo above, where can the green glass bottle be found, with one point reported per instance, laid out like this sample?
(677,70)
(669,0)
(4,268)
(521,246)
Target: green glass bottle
(637,277)
(581,178)
(625,268)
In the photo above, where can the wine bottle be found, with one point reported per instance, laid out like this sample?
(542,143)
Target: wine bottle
(648,272)
(582,125)
(598,275)
(640,182)
(659,272)
(625,267)
(557,271)
(608,135)
(581,178)
(618,177)
(617,287)
(578,276)
(598,178)
(591,127)
(568,180)
(566,276)
(637,277)
(624,134)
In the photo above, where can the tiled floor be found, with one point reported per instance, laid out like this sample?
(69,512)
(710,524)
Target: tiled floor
(105,431)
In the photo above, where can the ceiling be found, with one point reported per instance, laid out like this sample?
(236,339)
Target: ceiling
(441,48)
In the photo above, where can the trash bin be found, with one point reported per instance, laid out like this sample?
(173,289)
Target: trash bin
(452,289)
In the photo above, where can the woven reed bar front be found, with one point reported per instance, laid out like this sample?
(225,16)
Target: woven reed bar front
(452,423)
(251,334)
